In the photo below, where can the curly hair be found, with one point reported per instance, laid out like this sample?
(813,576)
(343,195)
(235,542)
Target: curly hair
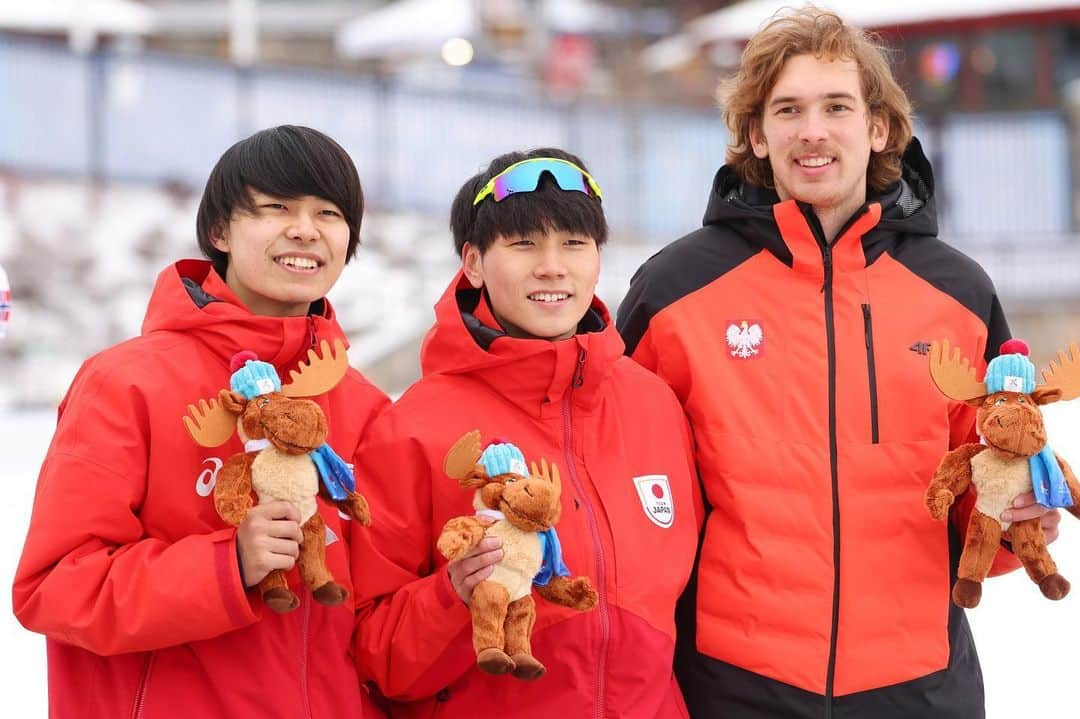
(823,34)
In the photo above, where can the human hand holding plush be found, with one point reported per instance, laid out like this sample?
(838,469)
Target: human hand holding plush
(286,461)
(268,538)
(1019,481)
(474,567)
(519,505)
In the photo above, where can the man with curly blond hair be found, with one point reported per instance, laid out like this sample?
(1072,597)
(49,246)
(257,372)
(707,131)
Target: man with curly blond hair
(794,327)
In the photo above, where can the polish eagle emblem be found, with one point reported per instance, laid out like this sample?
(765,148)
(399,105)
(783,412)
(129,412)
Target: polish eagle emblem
(744,339)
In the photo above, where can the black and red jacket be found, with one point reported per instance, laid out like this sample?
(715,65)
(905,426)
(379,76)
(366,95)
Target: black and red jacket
(823,584)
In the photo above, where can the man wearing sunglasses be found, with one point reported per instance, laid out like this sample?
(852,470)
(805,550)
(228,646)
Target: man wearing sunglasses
(794,327)
(524,352)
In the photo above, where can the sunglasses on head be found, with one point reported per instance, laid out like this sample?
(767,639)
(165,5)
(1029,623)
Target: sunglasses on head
(524,176)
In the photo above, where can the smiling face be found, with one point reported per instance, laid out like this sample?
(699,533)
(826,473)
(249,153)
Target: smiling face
(541,285)
(285,253)
(817,134)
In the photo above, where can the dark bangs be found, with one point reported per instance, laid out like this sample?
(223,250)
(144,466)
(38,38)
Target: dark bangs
(547,208)
(287,161)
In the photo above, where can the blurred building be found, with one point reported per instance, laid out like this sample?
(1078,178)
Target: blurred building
(113,119)
(951,56)
(274,32)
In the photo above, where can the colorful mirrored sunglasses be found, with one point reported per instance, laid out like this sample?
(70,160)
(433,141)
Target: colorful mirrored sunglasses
(524,176)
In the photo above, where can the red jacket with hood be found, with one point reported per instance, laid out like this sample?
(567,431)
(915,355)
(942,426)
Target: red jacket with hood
(604,421)
(127,568)
(823,586)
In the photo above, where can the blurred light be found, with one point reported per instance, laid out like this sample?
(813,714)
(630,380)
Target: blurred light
(457,51)
(939,63)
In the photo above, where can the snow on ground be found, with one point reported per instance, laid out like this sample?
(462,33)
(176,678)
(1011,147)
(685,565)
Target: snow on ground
(1024,640)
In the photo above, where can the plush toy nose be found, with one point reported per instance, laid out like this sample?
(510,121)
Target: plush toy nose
(1015,428)
(534,499)
(295,426)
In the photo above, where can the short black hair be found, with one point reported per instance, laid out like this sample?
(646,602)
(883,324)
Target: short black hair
(548,208)
(286,161)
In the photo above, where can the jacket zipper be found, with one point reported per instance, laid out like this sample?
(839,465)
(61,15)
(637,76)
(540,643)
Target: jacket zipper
(868,326)
(304,652)
(601,574)
(140,694)
(830,337)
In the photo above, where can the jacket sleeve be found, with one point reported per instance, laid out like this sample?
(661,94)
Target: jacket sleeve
(641,330)
(89,575)
(412,635)
(634,316)
(698,493)
(962,430)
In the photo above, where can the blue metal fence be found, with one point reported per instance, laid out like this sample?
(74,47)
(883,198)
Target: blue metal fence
(155,117)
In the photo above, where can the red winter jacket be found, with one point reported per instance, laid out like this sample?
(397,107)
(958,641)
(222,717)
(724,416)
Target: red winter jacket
(604,421)
(823,583)
(127,568)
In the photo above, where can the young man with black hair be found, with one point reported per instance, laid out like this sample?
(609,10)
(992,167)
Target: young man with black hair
(523,352)
(139,586)
(794,328)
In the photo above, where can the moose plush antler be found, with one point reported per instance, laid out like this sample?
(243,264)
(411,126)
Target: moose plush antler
(284,457)
(1014,460)
(520,507)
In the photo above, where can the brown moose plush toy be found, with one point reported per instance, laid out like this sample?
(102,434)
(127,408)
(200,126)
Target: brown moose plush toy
(284,458)
(520,507)
(1013,460)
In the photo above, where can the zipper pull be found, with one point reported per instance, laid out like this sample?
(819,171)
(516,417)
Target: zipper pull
(579,372)
(826,257)
(866,325)
(311,331)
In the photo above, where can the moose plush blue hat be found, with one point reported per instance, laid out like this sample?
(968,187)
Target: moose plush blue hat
(252,378)
(1012,371)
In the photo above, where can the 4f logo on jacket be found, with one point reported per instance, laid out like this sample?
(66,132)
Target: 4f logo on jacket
(655,494)
(744,339)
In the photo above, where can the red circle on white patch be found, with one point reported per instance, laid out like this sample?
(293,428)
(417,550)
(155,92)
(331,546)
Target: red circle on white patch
(658,491)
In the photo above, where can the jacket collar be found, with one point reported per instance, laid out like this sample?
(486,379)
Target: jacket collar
(789,230)
(801,232)
(539,376)
(191,297)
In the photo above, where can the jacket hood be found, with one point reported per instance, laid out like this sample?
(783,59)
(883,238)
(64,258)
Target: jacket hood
(191,297)
(907,208)
(535,374)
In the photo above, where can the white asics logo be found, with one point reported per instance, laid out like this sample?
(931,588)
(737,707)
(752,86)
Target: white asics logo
(206,480)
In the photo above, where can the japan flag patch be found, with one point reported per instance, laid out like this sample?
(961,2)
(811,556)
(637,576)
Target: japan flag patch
(655,495)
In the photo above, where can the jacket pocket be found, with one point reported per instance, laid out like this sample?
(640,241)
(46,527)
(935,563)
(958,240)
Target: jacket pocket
(871,371)
(144,685)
